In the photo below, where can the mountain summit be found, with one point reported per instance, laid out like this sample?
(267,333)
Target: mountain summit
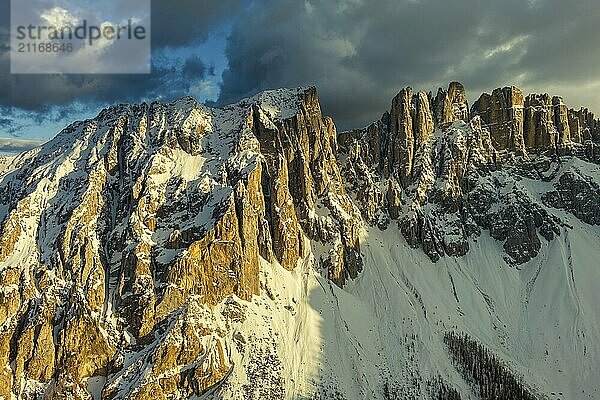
(250,252)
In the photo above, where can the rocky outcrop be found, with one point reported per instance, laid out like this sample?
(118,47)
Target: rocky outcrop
(589,126)
(575,127)
(547,124)
(394,140)
(577,194)
(561,121)
(300,157)
(510,214)
(540,129)
(451,105)
(423,191)
(434,217)
(174,363)
(502,113)
(451,185)
(401,147)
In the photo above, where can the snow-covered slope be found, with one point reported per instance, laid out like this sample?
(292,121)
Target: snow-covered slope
(181,251)
(381,336)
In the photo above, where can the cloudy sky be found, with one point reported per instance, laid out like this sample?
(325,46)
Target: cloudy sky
(358,53)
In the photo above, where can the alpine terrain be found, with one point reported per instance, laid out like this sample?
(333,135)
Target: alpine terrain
(178,251)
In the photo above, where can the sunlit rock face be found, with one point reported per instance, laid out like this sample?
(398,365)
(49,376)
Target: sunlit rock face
(126,226)
(502,111)
(177,250)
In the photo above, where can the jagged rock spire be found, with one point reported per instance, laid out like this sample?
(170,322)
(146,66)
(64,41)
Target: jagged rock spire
(451,105)
(411,121)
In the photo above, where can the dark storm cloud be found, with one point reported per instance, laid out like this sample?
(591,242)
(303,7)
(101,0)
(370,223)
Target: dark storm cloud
(566,48)
(195,67)
(359,53)
(174,24)
(177,23)
(37,92)
(15,121)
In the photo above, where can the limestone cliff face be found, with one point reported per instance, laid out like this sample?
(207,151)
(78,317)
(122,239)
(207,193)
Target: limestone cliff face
(396,167)
(502,113)
(589,126)
(539,122)
(585,130)
(451,105)
(540,130)
(123,234)
(301,165)
(548,124)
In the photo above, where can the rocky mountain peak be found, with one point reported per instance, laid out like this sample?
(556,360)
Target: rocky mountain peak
(443,175)
(125,228)
(411,121)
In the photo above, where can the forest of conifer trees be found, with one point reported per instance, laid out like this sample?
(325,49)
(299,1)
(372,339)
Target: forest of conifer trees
(483,370)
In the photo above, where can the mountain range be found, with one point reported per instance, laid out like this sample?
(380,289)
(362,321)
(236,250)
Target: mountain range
(170,251)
